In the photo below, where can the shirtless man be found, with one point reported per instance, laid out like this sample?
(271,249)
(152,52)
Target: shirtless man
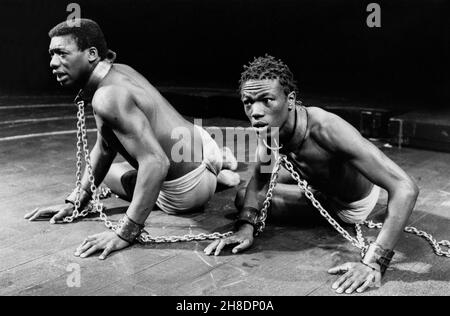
(132,119)
(333,157)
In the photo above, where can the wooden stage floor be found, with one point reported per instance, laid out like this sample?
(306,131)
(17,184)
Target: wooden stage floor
(37,169)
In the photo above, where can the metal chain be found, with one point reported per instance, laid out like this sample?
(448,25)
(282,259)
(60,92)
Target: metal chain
(303,185)
(95,206)
(145,238)
(359,241)
(436,245)
(269,195)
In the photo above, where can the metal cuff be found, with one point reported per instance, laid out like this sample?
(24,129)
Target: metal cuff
(248,215)
(377,254)
(128,230)
(85,197)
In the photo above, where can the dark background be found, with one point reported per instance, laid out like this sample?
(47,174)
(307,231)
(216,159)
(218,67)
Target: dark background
(204,43)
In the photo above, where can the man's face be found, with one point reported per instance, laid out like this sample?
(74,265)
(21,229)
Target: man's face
(69,64)
(266,105)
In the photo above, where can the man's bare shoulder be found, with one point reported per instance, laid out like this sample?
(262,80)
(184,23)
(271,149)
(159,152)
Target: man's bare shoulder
(109,99)
(321,121)
(329,129)
(124,68)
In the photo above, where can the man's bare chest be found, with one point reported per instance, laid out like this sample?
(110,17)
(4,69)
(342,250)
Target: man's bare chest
(315,165)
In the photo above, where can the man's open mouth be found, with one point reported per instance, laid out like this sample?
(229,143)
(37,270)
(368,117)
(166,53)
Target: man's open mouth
(60,76)
(260,125)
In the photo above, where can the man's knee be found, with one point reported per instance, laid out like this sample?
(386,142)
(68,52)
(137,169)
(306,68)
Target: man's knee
(121,179)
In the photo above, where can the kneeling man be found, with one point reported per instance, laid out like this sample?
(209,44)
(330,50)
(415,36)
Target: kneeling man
(344,168)
(135,120)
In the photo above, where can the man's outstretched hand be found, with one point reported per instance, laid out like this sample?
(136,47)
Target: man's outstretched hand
(56,213)
(243,237)
(356,277)
(107,241)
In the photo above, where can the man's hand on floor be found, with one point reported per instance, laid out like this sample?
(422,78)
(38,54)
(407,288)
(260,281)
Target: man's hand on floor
(356,276)
(243,237)
(106,241)
(56,212)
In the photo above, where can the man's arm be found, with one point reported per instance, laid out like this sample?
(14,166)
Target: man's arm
(117,109)
(340,137)
(101,158)
(255,189)
(249,214)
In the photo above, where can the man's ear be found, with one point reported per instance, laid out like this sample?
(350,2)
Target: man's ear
(291,100)
(92,54)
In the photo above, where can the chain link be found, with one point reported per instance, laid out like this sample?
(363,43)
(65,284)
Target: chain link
(303,185)
(436,245)
(145,238)
(269,195)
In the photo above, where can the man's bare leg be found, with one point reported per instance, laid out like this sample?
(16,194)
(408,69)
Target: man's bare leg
(229,161)
(113,179)
(288,202)
(227,177)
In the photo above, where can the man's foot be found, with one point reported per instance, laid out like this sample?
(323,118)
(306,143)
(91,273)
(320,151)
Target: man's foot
(229,161)
(105,192)
(228,178)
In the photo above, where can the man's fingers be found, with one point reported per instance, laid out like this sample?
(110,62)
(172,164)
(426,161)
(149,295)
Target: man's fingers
(366,284)
(344,286)
(39,213)
(341,280)
(88,239)
(90,251)
(221,245)
(30,214)
(83,247)
(59,216)
(211,247)
(106,252)
(242,246)
(354,286)
(340,269)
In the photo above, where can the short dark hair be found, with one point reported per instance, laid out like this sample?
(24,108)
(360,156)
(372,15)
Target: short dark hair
(268,67)
(86,34)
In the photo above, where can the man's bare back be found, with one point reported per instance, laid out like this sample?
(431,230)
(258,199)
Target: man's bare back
(132,119)
(162,117)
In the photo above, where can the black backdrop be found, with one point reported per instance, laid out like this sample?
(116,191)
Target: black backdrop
(205,43)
